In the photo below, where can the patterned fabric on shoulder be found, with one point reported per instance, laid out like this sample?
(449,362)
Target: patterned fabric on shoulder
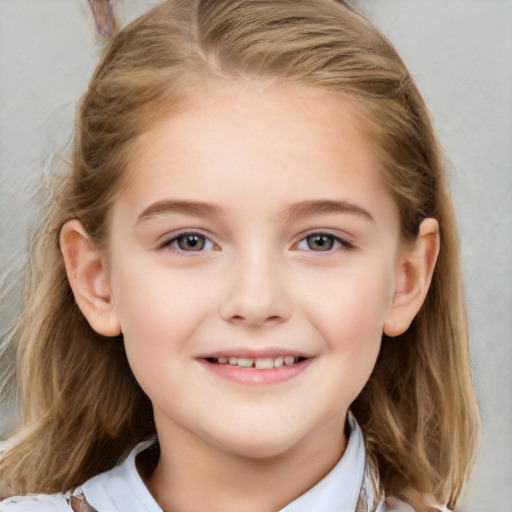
(36,503)
(75,502)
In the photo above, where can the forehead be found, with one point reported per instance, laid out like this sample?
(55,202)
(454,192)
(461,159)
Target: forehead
(254,139)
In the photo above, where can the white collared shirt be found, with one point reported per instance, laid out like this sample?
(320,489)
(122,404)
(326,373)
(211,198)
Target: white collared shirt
(121,489)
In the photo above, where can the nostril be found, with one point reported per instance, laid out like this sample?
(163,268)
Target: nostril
(256,320)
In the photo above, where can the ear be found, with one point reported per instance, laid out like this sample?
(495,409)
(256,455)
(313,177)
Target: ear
(88,276)
(413,276)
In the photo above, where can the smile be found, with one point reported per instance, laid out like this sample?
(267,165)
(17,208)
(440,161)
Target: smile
(260,371)
(261,363)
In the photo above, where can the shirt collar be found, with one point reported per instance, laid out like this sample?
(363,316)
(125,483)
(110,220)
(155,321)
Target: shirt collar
(339,490)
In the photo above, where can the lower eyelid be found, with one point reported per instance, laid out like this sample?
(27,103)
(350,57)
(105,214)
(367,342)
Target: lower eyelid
(343,243)
(168,243)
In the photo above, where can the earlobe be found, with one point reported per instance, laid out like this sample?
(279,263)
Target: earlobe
(413,276)
(88,277)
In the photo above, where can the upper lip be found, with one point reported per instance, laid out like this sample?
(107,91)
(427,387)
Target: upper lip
(251,353)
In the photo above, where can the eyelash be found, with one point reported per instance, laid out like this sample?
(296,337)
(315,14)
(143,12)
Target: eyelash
(337,242)
(173,242)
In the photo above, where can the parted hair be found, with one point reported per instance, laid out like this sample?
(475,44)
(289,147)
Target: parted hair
(81,406)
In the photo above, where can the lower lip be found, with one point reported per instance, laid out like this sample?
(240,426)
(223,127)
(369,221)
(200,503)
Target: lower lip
(253,376)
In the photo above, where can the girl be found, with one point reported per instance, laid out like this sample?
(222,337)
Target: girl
(247,295)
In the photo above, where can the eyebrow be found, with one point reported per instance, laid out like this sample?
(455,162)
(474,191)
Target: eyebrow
(170,206)
(294,211)
(316,207)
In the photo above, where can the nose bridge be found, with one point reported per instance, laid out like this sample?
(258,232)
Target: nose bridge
(256,293)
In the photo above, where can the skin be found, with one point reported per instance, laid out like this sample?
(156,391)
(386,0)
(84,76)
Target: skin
(260,284)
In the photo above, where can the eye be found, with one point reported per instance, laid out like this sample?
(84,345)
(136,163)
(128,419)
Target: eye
(190,242)
(323,242)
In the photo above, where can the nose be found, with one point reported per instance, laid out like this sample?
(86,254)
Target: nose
(256,294)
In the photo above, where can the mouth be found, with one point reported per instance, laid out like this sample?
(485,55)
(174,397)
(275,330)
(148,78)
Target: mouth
(259,363)
(260,369)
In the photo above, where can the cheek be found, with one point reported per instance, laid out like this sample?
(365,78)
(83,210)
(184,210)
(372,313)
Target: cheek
(158,313)
(156,309)
(351,314)
(350,320)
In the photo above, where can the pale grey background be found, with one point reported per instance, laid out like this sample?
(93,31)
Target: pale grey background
(459,51)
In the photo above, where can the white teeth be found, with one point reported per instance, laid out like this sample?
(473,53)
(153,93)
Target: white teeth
(265,363)
(245,362)
(278,362)
(289,360)
(262,363)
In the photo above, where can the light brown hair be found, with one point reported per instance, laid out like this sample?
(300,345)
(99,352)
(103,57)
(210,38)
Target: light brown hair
(82,407)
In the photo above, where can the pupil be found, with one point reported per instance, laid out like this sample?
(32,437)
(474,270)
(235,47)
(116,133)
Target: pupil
(191,242)
(320,242)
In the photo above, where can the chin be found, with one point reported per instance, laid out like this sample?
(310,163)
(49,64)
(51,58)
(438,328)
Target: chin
(258,451)
(257,444)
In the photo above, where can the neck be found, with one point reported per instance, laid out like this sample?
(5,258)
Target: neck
(194,475)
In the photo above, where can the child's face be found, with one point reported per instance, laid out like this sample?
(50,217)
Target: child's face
(255,225)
